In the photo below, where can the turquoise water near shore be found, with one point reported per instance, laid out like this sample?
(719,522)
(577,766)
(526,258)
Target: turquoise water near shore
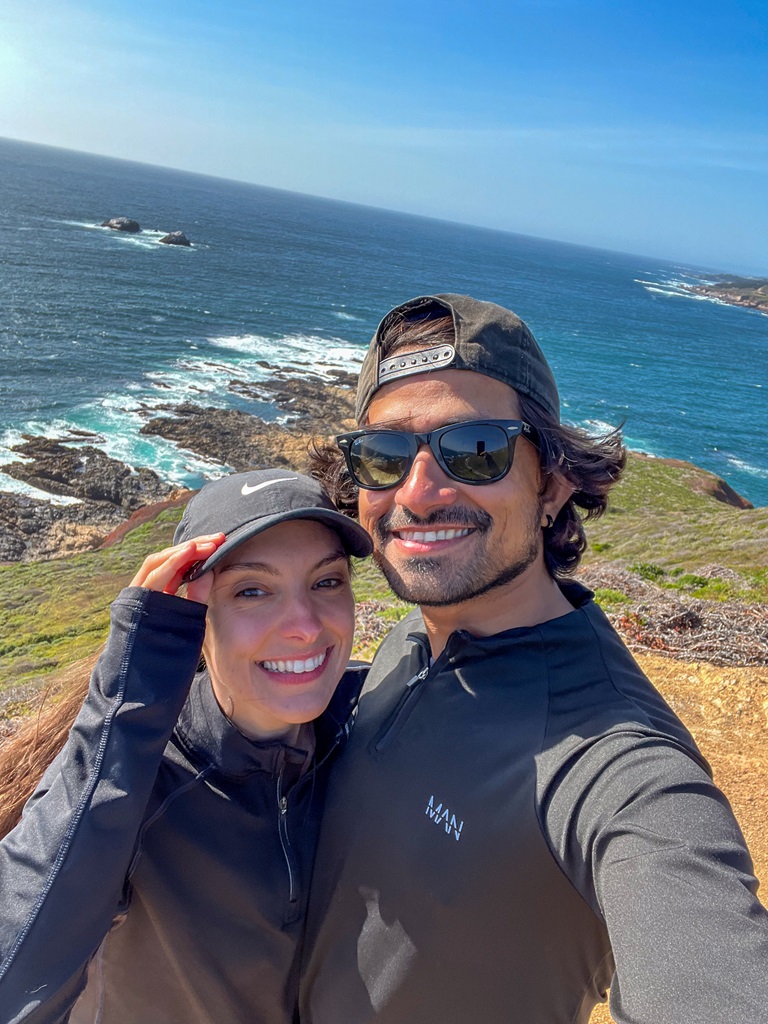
(99,326)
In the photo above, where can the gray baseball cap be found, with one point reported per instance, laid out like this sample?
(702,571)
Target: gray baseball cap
(245,504)
(488,339)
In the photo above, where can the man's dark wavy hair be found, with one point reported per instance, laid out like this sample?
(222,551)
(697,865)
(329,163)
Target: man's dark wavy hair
(591,465)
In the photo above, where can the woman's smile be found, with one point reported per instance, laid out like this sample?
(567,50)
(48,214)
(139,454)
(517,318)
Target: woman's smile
(303,669)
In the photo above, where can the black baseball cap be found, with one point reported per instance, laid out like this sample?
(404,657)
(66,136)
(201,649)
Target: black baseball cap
(245,504)
(488,339)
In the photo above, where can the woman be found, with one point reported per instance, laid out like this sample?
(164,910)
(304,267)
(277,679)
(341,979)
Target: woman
(159,871)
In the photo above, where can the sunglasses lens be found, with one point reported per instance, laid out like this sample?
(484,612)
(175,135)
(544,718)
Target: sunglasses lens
(380,460)
(476,452)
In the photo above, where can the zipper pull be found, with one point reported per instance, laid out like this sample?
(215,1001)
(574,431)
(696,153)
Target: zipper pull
(407,698)
(283,804)
(418,678)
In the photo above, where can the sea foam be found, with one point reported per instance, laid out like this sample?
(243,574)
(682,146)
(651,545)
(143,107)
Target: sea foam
(294,351)
(8,440)
(679,289)
(11,485)
(747,467)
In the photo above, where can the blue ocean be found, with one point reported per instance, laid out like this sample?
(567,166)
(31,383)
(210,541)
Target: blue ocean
(98,327)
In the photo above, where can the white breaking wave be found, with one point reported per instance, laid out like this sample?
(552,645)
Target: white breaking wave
(681,293)
(121,424)
(13,486)
(83,224)
(676,289)
(294,352)
(112,425)
(747,467)
(190,379)
(598,426)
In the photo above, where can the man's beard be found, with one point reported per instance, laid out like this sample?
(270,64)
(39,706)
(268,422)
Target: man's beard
(440,582)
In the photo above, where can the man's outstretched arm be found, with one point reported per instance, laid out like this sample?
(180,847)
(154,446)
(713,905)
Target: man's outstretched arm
(653,844)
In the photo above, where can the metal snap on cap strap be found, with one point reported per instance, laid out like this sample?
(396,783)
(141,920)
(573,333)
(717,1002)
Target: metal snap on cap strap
(407,363)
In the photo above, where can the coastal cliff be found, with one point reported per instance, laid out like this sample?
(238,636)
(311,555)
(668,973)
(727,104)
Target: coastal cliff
(751,292)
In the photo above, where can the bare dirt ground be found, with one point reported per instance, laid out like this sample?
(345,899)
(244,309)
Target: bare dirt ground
(726,709)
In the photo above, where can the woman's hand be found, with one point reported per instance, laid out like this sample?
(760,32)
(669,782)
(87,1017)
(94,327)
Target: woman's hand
(164,570)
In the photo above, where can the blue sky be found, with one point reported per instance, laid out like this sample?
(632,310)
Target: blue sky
(641,127)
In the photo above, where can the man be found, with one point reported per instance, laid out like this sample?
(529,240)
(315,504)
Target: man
(518,814)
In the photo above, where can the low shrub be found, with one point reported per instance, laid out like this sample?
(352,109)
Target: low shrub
(648,571)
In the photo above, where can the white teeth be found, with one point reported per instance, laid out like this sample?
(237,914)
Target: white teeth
(430,536)
(297,666)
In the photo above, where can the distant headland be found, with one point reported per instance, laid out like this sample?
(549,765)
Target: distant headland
(736,291)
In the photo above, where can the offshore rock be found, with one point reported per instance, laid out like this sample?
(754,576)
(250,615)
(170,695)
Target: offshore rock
(122,224)
(86,473)
(175,238)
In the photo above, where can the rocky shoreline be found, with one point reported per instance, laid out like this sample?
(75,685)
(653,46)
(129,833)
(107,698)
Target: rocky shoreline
(751,292)
(106,494)
(106,497)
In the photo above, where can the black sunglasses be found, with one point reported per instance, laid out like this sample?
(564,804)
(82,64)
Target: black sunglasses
(478,452)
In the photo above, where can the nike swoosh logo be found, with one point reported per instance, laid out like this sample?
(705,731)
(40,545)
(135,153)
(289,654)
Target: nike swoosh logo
(267,483)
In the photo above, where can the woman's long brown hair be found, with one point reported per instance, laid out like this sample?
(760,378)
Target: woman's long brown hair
(25,756)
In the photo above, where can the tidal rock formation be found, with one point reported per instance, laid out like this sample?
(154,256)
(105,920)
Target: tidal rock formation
(241,441)
(84,472)
(122,224)
(112,497)
(315,405)
(230,437)
(751,292)
(175,238)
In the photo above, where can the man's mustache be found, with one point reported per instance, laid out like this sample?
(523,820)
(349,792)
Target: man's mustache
(403,518)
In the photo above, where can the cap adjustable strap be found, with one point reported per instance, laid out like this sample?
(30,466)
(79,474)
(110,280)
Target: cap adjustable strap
(405,364)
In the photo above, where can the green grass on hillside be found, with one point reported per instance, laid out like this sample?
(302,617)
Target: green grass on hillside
(52,613)
(655,516)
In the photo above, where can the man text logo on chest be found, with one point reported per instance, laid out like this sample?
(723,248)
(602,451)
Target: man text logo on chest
(442,816)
